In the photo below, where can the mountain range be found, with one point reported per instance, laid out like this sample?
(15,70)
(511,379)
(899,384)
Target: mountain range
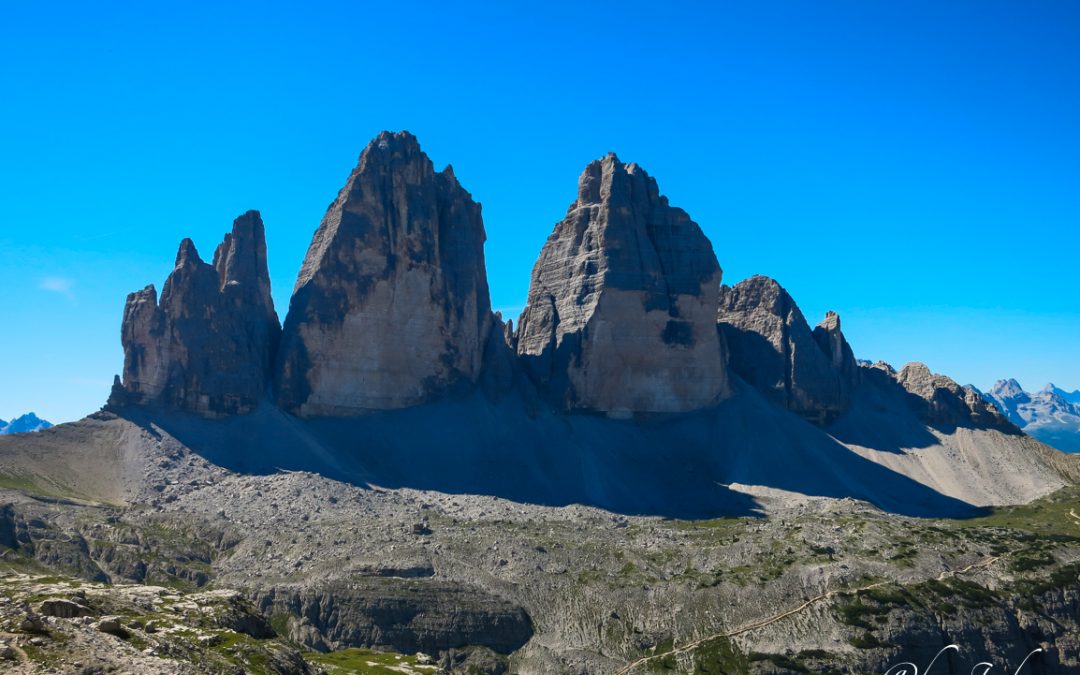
(1051,414)
(391,368)
(648,470)
(25,423)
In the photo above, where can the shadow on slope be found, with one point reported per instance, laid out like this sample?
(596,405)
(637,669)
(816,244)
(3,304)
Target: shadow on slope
(886,417)
(675,467)
(881,417)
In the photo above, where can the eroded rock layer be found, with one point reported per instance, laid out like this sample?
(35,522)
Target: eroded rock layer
(621,309)
(208,345)
(391,305)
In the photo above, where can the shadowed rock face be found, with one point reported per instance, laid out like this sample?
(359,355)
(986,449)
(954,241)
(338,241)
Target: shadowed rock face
(207,347)
(404,614)
(391,305)
(811,373)
(620,314)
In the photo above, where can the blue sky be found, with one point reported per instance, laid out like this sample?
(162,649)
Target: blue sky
(914,166)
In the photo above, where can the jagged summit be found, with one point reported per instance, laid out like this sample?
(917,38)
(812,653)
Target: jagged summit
(391,305)
(207,346)
(621,303)
(1007,388)
(811,373)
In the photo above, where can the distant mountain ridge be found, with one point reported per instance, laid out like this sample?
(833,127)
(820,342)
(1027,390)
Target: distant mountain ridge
(1070,396)
(26,423)
(1051,414)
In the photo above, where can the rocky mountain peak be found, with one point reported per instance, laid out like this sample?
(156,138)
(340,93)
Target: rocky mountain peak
(811,373)
(831,322)
(1071,397)
(1005,389)
(621,306)
(941,401)
(208,345)
(831,339)
(240,260)
(391,305)
(187,254)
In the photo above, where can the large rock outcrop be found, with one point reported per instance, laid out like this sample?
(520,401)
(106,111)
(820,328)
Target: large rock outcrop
(939,400)
(621,309)
(391,306)
(208,345)
(811,373)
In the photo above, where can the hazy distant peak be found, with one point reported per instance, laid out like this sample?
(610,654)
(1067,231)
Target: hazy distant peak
(1006,390)
(1068,396)
(23,424)
(1051,414)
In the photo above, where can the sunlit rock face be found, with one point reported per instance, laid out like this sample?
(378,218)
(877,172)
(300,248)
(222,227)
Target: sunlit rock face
(812,373)
(939,400)
(391,307)
(207,347)
(622,304)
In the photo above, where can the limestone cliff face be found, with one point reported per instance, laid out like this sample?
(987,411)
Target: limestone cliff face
(811,373)
(621,309)
(391,306)
(208,345)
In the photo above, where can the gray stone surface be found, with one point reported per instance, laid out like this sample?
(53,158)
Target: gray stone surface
(207,347)
(620,314)
(391,306)
(811,373)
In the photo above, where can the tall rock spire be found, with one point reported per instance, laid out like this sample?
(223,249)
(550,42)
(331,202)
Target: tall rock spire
(391,306)
(621,309)
(208,346)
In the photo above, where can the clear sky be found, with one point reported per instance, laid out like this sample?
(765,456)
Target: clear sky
(914,166)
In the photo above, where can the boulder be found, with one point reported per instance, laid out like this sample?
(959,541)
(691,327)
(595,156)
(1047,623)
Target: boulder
(32,623)
(112,625)
(64,609)
(811,373)
(208,345)
(621,308)
(391,306)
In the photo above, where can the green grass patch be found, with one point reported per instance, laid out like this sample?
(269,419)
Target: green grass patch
(867,641)
(364,662)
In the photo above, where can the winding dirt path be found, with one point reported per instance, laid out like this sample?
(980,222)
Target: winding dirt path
(762,623)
